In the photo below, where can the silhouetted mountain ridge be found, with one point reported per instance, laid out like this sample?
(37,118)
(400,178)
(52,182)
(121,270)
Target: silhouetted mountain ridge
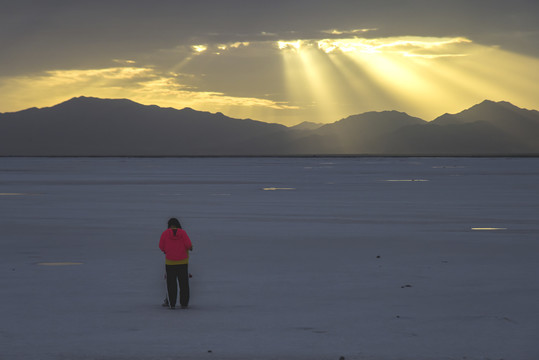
(501,123)
(85,126)
(490,111)
(307,125)
(103,127)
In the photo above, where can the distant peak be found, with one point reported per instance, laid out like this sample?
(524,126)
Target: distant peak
(487,102)
(83,98)
(492,106)
(87,99)
(491,103)
(307,125)
(375,115)
(485,105)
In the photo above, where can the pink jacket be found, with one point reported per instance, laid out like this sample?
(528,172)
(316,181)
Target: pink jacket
(175,244)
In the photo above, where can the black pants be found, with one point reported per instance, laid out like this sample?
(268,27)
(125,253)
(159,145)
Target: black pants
(178,274)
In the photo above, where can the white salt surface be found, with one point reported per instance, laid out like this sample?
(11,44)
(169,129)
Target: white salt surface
(341,264)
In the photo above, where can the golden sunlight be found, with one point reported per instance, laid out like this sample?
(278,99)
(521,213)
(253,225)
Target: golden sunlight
(144,85)
(200,48)
(408,46)
(418,75)
(319,80)
(293,45)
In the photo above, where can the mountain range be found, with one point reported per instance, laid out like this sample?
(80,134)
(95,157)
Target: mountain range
(85,126)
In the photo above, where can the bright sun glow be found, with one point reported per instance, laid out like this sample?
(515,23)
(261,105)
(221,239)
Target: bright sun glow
(418,75)
(413,46)
(294,80)
(200,48)
(294,45)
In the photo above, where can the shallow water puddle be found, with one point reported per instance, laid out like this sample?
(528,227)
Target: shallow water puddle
(277,188)
(59,263)
(488,229)
(405,180)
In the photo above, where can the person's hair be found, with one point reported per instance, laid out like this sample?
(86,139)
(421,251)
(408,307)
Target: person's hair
(173,222)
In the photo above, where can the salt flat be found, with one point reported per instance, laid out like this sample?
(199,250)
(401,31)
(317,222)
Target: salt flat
(295,258)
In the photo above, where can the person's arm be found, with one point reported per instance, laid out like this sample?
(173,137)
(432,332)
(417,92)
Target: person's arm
(162,242)
(188,244)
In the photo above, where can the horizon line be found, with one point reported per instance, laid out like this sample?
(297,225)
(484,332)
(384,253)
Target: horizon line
(267,122)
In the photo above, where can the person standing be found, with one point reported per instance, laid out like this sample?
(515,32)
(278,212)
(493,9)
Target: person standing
(175,243)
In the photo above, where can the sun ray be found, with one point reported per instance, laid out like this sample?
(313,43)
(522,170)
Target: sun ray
(180,65)
(322,82)
(494,74)
(375,92)
(358,81)
(420,75)
(294,79)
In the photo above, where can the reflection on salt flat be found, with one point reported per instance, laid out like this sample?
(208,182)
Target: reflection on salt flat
(13,194)
(405,180)
(488,229)
(277,188)
(59,263)
(448,167)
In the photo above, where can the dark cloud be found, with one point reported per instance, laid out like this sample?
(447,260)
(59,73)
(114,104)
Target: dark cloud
(37,35)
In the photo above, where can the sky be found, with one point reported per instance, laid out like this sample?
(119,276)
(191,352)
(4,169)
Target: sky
(275,61)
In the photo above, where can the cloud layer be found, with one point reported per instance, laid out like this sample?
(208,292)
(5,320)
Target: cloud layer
(237,57)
